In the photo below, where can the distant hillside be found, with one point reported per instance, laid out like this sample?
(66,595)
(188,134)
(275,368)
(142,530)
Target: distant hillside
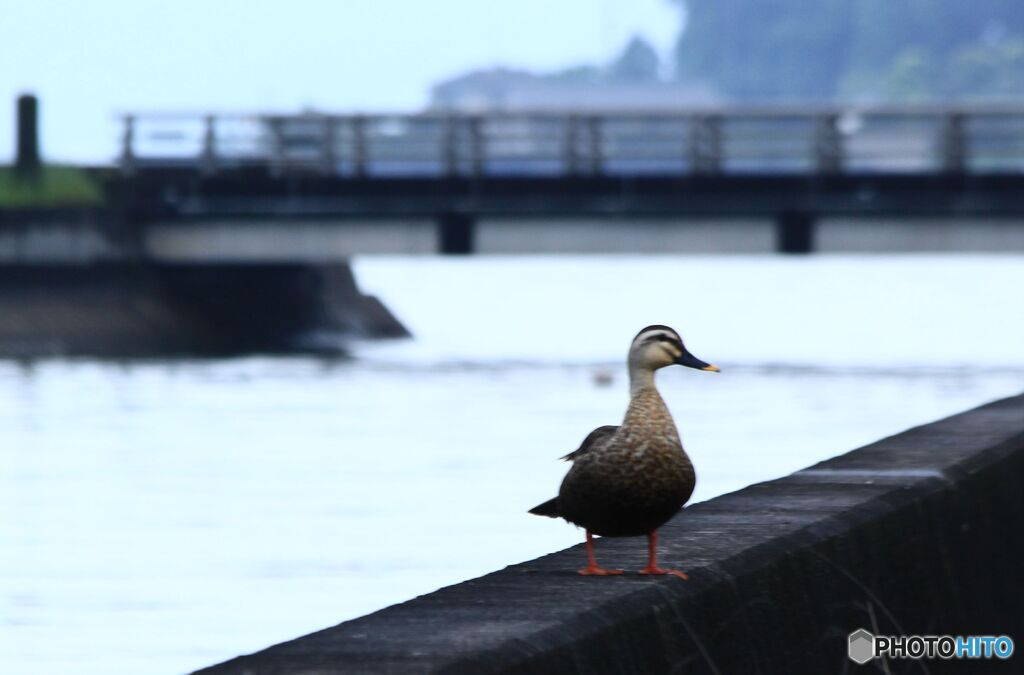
(867,50)
(630,81)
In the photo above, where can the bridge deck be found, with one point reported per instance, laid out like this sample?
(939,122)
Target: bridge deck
(186,193)
(790,165)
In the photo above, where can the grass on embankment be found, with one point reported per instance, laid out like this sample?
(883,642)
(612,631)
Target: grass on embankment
(56,186)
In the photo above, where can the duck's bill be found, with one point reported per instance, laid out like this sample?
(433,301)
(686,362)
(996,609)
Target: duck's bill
(690,361)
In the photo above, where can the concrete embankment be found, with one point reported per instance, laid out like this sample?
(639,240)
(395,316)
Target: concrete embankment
(79,281)
(919,533)
(133,309)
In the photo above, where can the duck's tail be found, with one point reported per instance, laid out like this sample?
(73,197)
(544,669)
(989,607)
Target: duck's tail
(548,508)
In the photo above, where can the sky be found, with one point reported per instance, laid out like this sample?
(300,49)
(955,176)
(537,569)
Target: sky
(90,61)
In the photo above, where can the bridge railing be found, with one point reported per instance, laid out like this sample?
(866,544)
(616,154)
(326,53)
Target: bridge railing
(770,140)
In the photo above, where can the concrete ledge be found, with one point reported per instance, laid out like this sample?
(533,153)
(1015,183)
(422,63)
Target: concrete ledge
(922,532)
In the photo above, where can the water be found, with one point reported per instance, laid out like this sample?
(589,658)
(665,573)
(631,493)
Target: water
(161,516)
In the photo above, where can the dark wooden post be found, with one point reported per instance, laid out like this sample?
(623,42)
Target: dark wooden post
(449,141)
(329,158)
(359,146)
(953,144)
(208,161)
(594,127)
(827,144)
(128,145)
(570,150)
(477,145)
(27,163)
(705,144)
(276,132)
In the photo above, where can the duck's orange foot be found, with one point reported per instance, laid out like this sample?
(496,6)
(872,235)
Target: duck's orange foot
(595,571)
(650,569)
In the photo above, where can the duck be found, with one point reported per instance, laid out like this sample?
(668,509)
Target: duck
(629,480)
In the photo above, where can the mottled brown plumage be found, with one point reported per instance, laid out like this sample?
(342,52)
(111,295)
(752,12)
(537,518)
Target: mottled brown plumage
(635,480)
(631,479)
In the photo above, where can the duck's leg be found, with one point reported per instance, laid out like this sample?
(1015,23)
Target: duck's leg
(652,559)
(592,567)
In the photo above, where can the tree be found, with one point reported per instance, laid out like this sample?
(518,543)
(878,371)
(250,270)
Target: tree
(764,50)
(638,62)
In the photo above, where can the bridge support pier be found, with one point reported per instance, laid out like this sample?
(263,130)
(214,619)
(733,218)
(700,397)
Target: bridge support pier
(455,233)
(794,232)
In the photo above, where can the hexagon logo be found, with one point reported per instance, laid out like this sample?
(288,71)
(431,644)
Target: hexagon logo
(861,646)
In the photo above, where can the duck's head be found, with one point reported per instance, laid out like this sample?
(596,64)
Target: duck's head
(659,346)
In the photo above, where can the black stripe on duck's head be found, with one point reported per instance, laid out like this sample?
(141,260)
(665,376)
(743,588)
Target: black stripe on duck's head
(657,346)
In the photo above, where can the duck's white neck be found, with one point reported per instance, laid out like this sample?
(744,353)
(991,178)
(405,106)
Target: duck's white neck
(640,378)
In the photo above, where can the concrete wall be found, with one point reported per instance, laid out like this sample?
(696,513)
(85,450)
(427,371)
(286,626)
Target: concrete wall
(286,240)
(335,239)
(87,236)
(320,240)
(920,533)
(902,235)
(625,235)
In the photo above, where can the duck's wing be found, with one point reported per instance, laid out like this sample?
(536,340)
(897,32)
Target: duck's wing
(593,439)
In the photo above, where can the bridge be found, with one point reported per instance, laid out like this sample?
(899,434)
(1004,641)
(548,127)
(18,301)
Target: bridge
(302,185)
